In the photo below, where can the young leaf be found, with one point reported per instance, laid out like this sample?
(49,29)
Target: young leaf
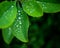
(8,13)
(50,6)
(32,8)
(20,26)
(7,35)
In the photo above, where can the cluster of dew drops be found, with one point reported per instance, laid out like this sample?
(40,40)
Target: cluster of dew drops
(18,19)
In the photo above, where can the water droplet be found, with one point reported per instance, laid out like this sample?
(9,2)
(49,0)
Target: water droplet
(20,22)
(32,11)
(7,11)
(20,26)
(10,15)
(12,6)
(19,17)
(44,5)
(9,33)
(17,26)
(17,20)
(18,32)
(9,29)
(28,9)
(19,11)
(38,2)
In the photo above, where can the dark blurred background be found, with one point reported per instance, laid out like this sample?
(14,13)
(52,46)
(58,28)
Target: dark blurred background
(44,32)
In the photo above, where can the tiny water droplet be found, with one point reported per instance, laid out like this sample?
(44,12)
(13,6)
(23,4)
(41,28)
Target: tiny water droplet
(31,11)
(17,20)
(20,26)
(17,26)
(10,15)
(20,22)
(9,31)
(19,11)
(28,9)
(44,5)
(7,11)
(18,32)
(9,28)
(12,6)
(19,17)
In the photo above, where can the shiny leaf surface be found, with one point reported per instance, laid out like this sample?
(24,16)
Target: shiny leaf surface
(8,13)
(32,8)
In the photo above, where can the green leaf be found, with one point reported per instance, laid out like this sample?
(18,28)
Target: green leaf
(32,8)
(7,35)
(20,26)
(50,6)
(8,13)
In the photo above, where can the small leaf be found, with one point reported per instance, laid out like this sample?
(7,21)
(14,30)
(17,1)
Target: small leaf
(7,35)
(50,6)
(32,8)
(8,13)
